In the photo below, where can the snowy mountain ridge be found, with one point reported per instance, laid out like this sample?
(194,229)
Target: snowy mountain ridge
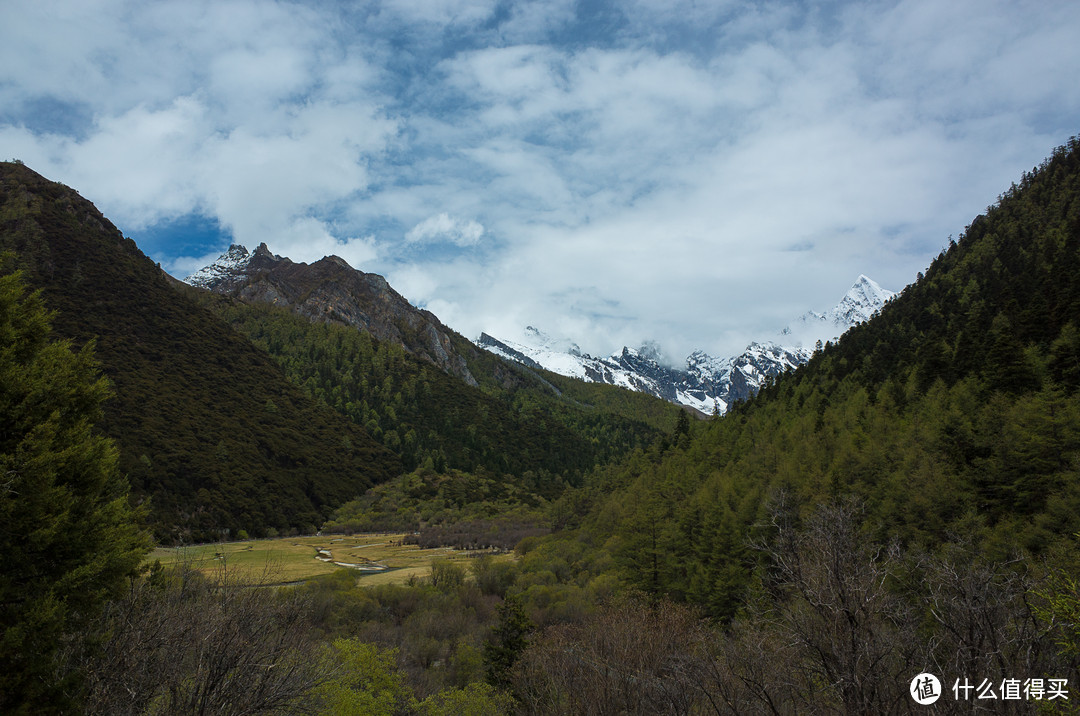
(224,268)
(863,300)
(707,384)
(330,290)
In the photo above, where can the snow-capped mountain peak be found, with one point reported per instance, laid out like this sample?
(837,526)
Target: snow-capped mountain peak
(707,383)
(863,300)
(331,291)
(228,264)
(538,339)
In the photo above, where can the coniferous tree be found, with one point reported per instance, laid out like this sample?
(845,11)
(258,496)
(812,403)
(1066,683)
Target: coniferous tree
(508,640)
(68,534)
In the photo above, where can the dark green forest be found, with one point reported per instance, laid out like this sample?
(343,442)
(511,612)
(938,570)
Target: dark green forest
(482,460)
(906,502)
(517,422)
(211,433)
(238,418)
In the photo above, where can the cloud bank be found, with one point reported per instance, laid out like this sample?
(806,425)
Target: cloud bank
(695,173)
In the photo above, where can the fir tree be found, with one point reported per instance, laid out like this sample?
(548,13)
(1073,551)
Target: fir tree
(508,640)
(68,534)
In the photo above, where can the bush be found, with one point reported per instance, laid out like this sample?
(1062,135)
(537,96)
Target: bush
(445,575)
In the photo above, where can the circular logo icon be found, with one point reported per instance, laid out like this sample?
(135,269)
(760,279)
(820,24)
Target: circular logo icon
(925,689)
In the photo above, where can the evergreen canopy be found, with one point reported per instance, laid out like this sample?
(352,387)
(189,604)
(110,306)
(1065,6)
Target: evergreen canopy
(68,534)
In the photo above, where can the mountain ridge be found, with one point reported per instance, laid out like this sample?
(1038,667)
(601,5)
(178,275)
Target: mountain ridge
(331,290)
(707,384)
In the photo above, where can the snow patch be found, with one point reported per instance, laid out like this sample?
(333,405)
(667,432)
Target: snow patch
(707,383)
(227,265)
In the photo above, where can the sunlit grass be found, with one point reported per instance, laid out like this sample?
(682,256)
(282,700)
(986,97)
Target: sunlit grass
(294,559)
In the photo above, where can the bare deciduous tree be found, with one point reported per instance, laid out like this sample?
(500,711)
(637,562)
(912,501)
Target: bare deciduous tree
(630,658)
(984,624)
(182,643)
(839,625)
(855,635)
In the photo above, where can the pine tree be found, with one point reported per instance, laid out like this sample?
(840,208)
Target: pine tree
(68,534)
(508,640)
(682,429)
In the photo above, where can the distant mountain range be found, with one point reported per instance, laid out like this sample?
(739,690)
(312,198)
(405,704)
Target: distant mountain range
(707,384)
(331,290)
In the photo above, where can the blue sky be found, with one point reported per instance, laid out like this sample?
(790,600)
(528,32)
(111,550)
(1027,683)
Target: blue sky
(698,173)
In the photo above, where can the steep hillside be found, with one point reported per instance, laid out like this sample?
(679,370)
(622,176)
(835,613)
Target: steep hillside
(952,415)
(209,428)
(429,417)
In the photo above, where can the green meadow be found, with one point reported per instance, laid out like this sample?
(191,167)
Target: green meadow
(375,558)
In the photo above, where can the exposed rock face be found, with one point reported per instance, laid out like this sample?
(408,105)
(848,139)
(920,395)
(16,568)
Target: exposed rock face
(333,291)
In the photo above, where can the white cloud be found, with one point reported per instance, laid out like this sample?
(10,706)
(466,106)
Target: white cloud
(443,227)
(260,77)
(307,239)
(693,172)
(416,283)
(536,20)
(184,266)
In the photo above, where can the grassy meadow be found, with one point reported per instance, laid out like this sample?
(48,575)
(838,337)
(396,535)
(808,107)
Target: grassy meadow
(375,558)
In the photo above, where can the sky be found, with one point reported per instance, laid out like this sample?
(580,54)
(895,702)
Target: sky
(694,173)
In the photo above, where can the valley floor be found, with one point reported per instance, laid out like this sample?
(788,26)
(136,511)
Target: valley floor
(380,558)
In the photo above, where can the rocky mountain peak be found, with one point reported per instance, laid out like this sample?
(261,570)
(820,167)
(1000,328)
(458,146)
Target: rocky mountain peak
(331,290)
(229,264)
(264,251)
(864,299)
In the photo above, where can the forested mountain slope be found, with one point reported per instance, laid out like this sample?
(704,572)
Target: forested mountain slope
(208,427)
(519,423)
(954,412)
